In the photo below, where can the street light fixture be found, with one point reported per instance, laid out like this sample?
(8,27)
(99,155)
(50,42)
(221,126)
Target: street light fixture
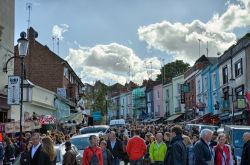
(22,50)
(106,99)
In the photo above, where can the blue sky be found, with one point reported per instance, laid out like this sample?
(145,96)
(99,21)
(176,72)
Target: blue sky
(106,39)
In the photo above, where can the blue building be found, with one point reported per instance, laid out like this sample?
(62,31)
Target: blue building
(211,87)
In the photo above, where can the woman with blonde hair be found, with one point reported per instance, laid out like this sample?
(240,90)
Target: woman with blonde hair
(48,152)
(222,152)
(190,152)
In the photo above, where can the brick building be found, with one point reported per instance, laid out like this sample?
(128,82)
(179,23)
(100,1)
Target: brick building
(48,70)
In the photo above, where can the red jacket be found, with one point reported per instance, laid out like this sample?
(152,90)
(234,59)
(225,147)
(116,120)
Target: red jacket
(136,148)
(88,152)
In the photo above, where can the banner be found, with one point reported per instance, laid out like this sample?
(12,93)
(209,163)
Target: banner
(13,90)
(27,126)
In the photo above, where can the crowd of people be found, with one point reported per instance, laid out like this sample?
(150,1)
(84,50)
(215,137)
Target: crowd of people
(132,144)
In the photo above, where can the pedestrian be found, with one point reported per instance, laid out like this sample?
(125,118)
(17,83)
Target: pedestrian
(69,158)
(136,149)
(157,150)
(48,152)
(167,136)
(9,154)
(190,149)
(106,154)
(36,149)
(245,158)
(176,153)
(1,153)
(92,155)
(115,146)
(222,152)
(213,142)
(202,151)
(25,156)
(146,160)
(125,157)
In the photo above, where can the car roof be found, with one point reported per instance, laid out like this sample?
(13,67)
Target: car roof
(238,127)
(85,135)
(96,126)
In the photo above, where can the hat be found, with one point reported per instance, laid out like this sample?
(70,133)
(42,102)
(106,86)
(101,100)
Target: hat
(67,144)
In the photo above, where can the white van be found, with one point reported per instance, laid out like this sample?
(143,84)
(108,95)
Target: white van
(118,122)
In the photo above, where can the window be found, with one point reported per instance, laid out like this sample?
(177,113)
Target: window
(158,94)
(178,88)
(214,81)
(225,75)
(66,72)
(238,68)
(199,86)
(167,93)
(205,83)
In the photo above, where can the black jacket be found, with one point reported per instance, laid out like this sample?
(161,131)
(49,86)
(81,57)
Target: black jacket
(176,152)
(202,153)
(117,151)
(245,158)
(25,158)
(45,160)
(36,157)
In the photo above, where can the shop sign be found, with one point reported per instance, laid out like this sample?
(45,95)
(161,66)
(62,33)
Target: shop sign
(241,103)
(13,90)
(27,126)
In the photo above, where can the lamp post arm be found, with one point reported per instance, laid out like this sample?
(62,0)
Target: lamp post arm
(6,64)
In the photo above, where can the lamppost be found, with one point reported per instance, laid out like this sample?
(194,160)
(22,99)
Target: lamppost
(22,49)
(106,99)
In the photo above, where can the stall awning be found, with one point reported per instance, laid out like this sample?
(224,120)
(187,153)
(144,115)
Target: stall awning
(173,117)
(77,117)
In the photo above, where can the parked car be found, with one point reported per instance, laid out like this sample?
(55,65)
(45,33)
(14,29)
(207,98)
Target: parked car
(82,141)
(235,134)
(94,129)
(60,151)
(199,127)
(118,122)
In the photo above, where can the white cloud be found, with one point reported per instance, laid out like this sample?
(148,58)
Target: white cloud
(58,30)
(181,39)
(111,63)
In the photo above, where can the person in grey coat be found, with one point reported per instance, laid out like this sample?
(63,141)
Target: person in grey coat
(176,152)
(202,151)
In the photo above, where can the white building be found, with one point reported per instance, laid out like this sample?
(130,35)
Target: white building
(38,100)
(177,82)
(168,106)
(7,15)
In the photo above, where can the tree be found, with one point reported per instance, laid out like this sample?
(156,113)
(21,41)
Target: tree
(173,69)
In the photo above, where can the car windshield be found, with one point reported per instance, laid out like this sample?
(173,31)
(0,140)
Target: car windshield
(93,130)
(81,143)
(238,138)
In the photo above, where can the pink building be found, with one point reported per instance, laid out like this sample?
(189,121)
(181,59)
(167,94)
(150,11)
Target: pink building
(158,110)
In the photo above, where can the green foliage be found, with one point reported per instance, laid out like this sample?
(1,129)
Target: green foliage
(173,69)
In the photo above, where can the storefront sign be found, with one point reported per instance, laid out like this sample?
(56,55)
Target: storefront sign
(241,104)
(13,90)
(27,126)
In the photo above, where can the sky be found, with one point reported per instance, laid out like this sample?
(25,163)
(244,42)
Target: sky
(130,40)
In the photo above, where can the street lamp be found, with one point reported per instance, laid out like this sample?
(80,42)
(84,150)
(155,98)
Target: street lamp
(22,49)
(106,99)
(232,96)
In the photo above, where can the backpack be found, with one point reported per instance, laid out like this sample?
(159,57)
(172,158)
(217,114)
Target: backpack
(94,159)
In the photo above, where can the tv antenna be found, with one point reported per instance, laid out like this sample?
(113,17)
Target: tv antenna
(29,8)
